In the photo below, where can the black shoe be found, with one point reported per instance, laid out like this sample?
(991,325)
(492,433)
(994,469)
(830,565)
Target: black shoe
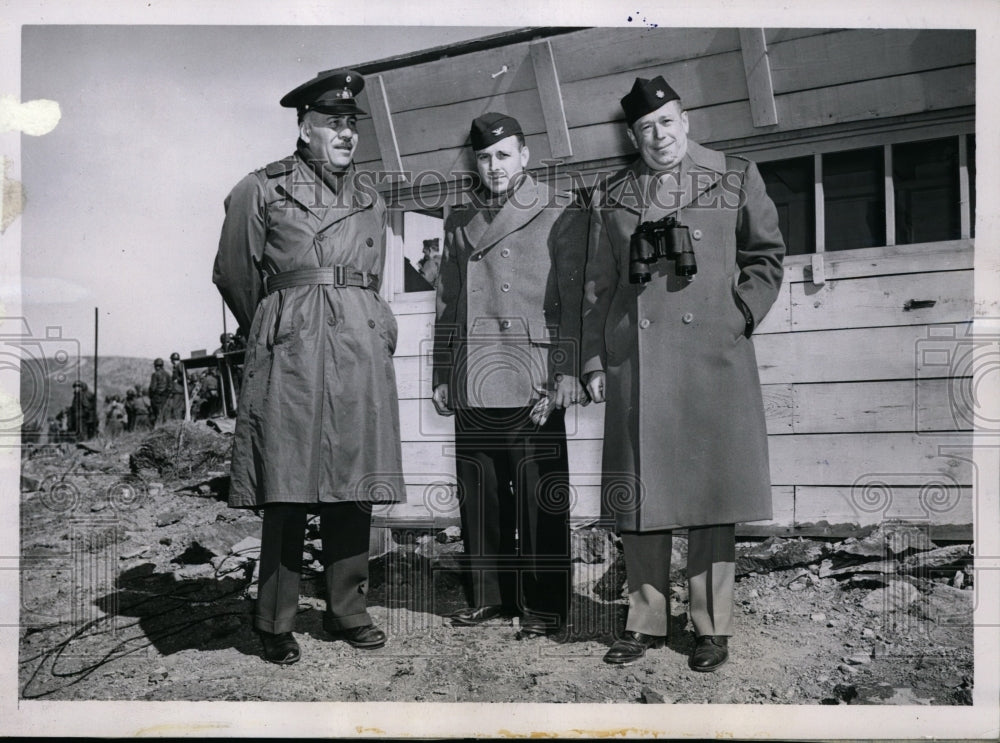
(631,647)
(472,616)
(279,648)
(368,637)
(710,652)
(532,625)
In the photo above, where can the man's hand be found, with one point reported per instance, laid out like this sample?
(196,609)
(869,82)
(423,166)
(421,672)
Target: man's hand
(442,400)
(568,391)
(595,386)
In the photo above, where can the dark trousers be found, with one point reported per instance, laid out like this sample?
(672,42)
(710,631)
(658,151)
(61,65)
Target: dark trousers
(344,529)
(711,572)
(514,501)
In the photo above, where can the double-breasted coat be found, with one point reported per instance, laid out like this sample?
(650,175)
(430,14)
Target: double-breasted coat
(318,417)
(685,442)
(509,297)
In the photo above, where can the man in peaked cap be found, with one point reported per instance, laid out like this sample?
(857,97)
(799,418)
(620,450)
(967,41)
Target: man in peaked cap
(669,347)
(506,335)
(299,264)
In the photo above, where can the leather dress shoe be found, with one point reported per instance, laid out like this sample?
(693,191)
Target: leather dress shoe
(631,647)
(367,637)
(280,648)
(710,652)
(532,626)
(472,616)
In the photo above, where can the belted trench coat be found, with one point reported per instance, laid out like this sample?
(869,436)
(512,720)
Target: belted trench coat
(318,417)
(685,442)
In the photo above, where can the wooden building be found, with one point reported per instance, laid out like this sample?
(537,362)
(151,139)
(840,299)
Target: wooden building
(866,139)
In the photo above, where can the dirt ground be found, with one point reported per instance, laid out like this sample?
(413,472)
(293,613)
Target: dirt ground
(137,584)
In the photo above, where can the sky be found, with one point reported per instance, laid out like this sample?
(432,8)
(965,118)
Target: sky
(124,196)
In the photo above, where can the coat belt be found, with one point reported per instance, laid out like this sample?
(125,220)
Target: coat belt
(338,276)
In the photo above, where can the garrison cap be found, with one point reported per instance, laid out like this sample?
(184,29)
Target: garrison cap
(491,127)
(646,96)
(330,92)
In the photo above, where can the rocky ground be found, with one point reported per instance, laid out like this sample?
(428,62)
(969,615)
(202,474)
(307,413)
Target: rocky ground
(137,584)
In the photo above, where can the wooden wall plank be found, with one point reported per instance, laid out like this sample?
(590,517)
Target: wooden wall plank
(897,406)
(881,300)
(870,99)
(551,99)
(951,255)
(707,81)
(858,54)
(413,376)
(842,459)
(385,132)
(416,335)
(757,70)
(865,506)
(850,355)
(779,407)
(606,51)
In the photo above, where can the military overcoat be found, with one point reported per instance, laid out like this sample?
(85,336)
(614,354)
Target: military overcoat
(509,297)
(685,442)
(318,417)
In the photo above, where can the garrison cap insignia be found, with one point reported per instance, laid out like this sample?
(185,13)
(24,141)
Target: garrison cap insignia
(646,96)
(498,131)
(660,94)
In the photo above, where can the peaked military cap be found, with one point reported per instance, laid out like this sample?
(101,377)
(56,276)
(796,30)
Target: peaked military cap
(646,96)
(491,127)
(330,92)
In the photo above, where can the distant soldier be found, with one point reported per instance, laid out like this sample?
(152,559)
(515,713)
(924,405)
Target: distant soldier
(174,408)
(116,417)
(137,409)
(83,412)
(159,391)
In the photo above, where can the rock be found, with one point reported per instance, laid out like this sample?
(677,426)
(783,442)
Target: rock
(133,552)
(247,547)
(896,597)
(449,534)
(192,572)
(589,546)
(160,674)
(168,517)
(868,633)
(89,448)
(958,580)
(847,670)
(219,537)
(98,505)
(30,484)
(956,555)
(858,659)
(818,617)
(155,488)
(946,606)
(887,567)
(777,554)
(652,696)
(225,426)
(180,450)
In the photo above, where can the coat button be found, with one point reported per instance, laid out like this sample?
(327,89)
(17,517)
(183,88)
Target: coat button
(696,234)
(371,323)
(687,318)
(505,325)
(505,287)
(369,242)
(644,323)
(505,252)
(331,321)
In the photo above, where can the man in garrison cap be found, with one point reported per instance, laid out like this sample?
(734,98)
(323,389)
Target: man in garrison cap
(506,336)
(299,264)
(685,260)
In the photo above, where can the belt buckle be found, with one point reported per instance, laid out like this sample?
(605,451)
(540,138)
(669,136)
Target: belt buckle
(339,275)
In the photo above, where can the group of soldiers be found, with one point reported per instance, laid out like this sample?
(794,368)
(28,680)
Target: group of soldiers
(643,295)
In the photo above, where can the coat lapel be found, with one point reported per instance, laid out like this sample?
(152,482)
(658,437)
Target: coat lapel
(308,191)
(523,206)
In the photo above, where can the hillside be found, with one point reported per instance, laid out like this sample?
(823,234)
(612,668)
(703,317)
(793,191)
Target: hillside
(47,383)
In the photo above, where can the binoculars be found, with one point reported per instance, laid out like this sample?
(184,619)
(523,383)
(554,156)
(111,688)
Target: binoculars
(664,238)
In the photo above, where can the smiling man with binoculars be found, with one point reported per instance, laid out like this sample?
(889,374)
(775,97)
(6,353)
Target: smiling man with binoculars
(684,262)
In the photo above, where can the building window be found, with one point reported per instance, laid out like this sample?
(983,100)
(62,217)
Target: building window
(854,199)
(790,185)
(421,234)
(925,184)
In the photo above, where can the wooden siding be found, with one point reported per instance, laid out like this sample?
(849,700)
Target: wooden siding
(868,410)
